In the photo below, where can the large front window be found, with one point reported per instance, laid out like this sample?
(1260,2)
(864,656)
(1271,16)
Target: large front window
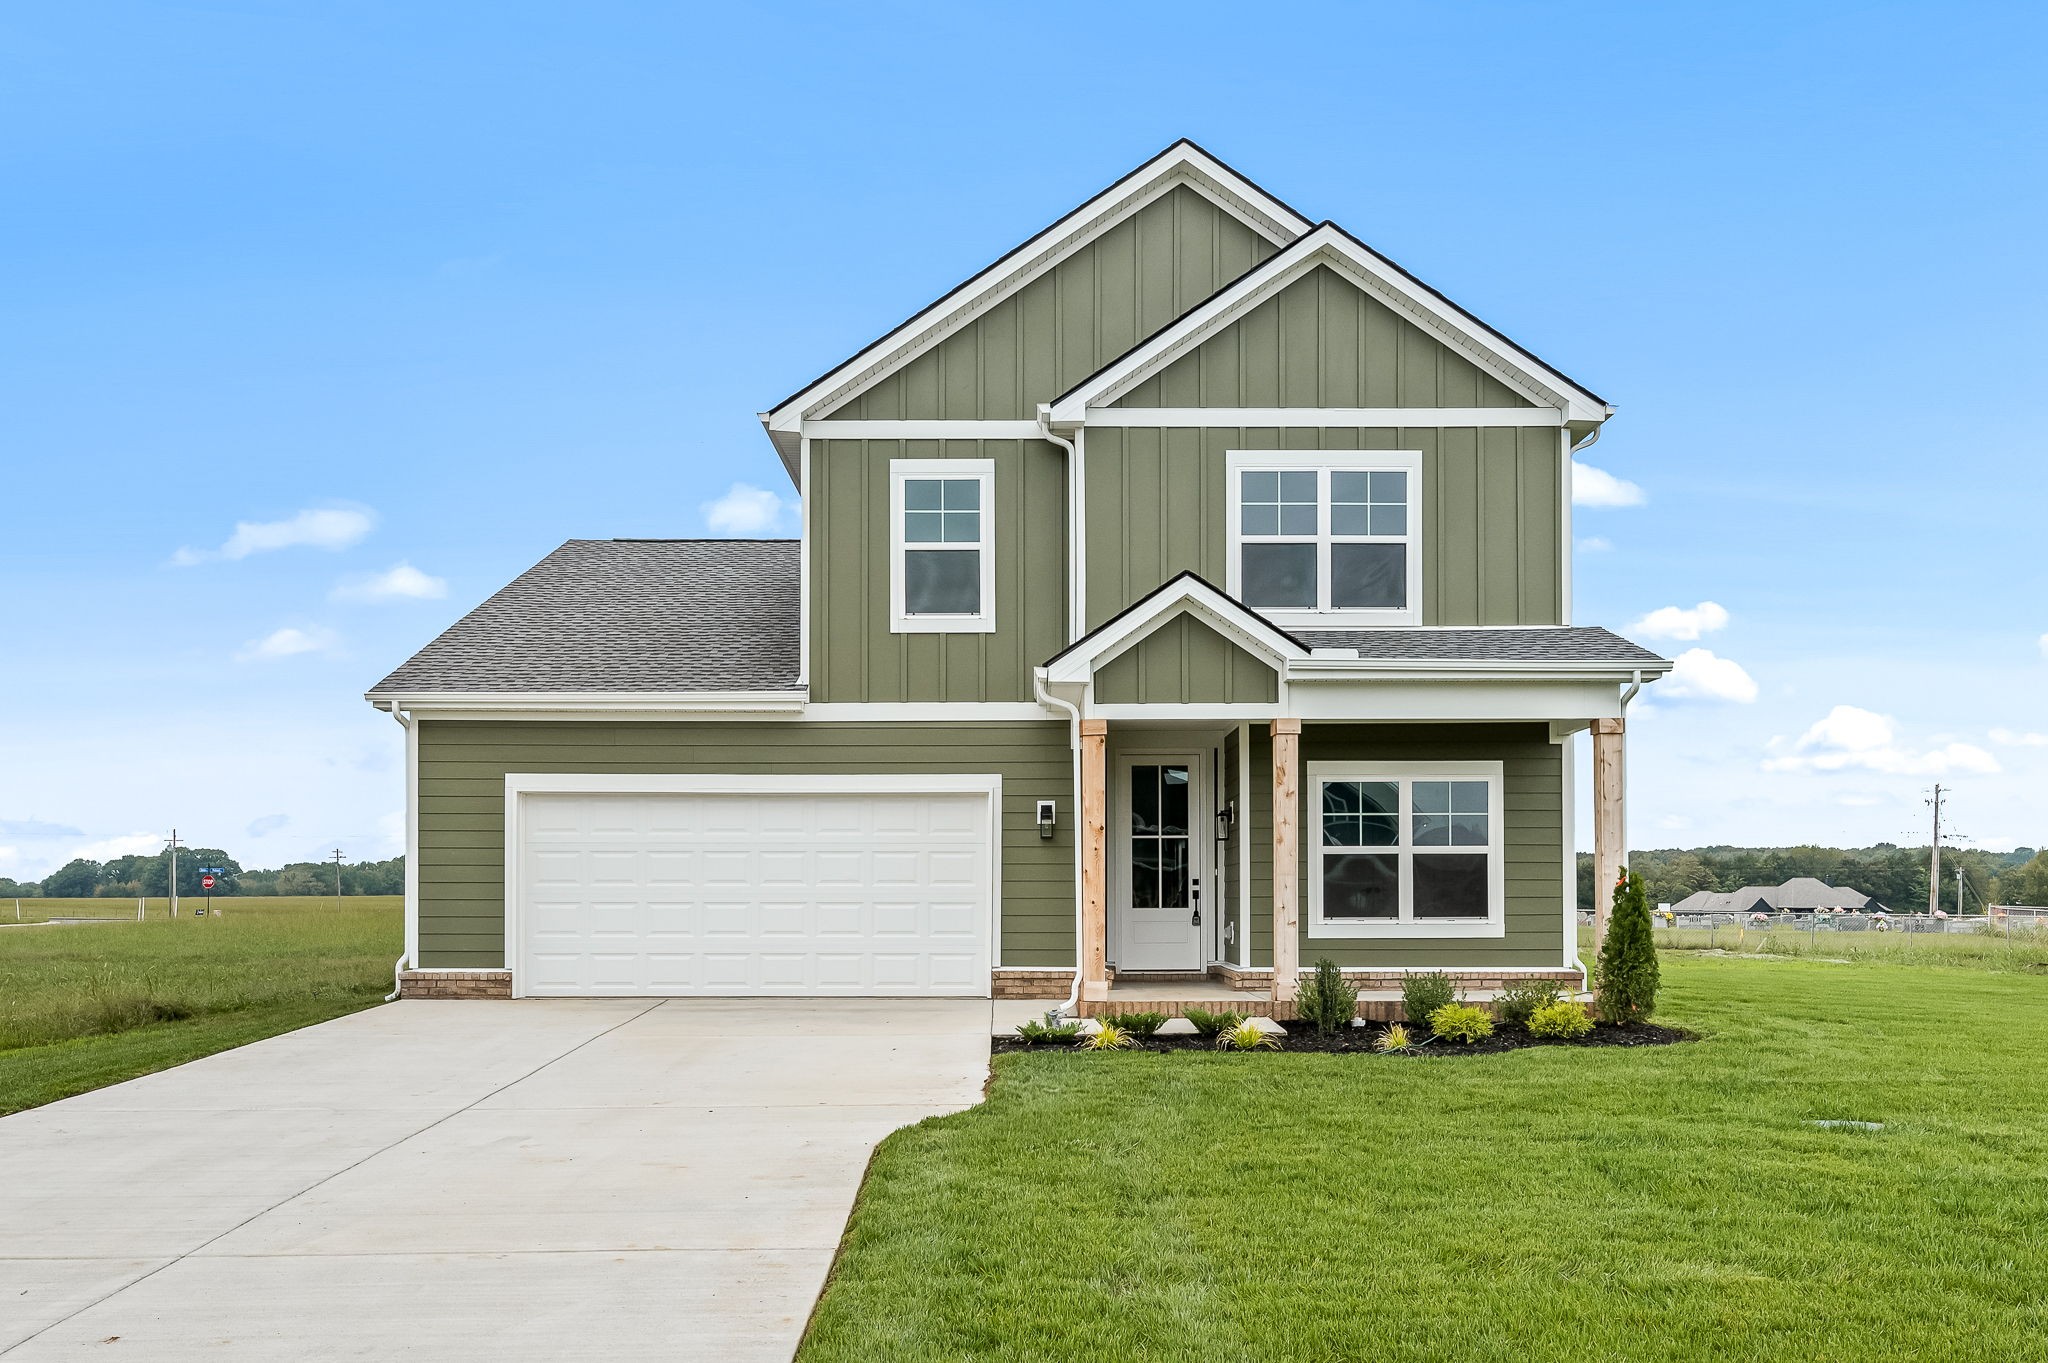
(942,550)
(1326,538)
(1406,850)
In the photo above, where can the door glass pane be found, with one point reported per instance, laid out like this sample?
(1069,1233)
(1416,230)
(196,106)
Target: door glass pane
(1450,885)
(1282,574)
(1144,872)
(1173,873)
(1362,885)
(1173,800)
(1363,576)
(1144,799)
(942,581)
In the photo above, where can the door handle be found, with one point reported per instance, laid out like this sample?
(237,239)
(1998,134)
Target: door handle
(1195,897)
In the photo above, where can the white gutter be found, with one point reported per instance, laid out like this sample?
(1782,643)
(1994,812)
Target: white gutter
(683,702)
(1046,697)
(1077,493)
(411,948)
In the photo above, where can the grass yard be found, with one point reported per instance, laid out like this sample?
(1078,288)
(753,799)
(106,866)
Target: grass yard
(89,1005)
(1668,1203)
(2024,949)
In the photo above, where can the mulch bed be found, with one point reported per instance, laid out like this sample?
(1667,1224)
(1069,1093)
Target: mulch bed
(1302,1036)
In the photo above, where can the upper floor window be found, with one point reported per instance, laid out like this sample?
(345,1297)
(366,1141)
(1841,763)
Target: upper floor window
(942,545)
(1327,537)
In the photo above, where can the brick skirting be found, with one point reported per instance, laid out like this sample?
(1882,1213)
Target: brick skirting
(1032,984)
(455,984)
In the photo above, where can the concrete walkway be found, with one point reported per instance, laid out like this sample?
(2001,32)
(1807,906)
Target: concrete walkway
(606,1179)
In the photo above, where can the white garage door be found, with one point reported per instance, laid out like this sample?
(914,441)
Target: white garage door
(754,893)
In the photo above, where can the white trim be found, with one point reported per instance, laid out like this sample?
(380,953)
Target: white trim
(1455,699)
(1200,822)
(1315,774)
(1567,547)
(1186,596)
(1323,463)
(930,711)
(803,565)
(1077,541)
(1568,757)
(1196,711)
(1424,418)
(521,784)
(1182,163)
(982,472)
(1314,668)
(412,838)
(1332,246)
(922,430)
(635,703)
(1241,826)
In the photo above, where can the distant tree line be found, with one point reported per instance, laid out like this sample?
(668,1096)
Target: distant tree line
(136,876)
(1894,876)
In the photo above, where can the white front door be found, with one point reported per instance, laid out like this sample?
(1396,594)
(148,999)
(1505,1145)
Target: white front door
(1158,880)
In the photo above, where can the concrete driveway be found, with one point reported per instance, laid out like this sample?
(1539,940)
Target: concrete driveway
(614,1179)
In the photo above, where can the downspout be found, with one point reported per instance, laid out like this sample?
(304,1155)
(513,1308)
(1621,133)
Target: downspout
(1046,697)
(1075,563)
(407,722)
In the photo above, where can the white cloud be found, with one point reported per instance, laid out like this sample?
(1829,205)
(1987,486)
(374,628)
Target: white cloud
(269,823)
(106,849)
(1595,544)
(1676,622)
(286,643)
(744,510)
(399,582)
(1850,738)
(1700,675)
(335,527)
(2006,738)
(2044,645)
(1598,487)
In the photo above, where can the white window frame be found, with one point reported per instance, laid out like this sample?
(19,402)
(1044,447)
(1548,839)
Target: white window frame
(1493,924)
(1323,463)
(983,471)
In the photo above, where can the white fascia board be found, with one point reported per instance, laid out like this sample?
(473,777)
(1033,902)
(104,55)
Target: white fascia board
(1292,417)
(1313,669)
(1182,163)
(596,702)
(1187,597)
(1461,700)
(1332,246)
(922,430)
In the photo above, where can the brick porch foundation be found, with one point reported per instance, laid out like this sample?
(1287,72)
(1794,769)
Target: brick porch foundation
(456,984)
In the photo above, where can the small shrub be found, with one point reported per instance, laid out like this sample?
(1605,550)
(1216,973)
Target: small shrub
(1461,1022)
(1107,1036)
(1211,1024)
(1247,1035)
(1628,957)
(1139,1024)
(1327,999)
(1562,1020)
(1517,1003)
(1422,995)
(1394,1041)
(1051,1028)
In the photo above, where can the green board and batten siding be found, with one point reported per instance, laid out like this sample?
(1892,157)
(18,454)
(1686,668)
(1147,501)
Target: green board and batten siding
(1321,342)
(1064,325)
(1184,662)
(463,764)
(854,654)
(1158,504)
(1532,841)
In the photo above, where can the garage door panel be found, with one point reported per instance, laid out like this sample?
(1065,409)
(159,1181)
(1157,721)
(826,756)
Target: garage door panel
(759,893)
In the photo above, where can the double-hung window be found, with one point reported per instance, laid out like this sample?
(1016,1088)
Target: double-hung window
(1406,850)
(942,569)
(1327,537)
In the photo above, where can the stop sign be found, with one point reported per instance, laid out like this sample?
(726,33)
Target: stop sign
(206,882)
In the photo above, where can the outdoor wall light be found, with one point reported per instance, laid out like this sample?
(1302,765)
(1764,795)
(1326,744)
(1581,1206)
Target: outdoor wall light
(1225,817)
(1045,818)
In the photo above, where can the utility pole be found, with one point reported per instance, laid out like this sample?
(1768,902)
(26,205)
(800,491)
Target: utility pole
(1934,867)
(337,877)
(174,872)
(1959,890)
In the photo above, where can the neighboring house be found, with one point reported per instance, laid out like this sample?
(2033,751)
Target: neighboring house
(1801,894)
(1188,594)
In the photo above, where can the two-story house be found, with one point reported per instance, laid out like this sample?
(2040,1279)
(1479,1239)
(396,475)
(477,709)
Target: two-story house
(1186,596)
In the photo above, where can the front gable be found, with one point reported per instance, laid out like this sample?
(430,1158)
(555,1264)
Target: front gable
(1323,342)
(1186,662)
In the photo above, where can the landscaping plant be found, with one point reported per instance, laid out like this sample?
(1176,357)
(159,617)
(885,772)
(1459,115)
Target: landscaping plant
(1517,1003)
(1327,999)
(1422,995)
(1461,1022)
(1247,1035)
(1210,1024)
(1395,1040)
(1561,1020)
(1107,1036)
(1052,1027)
(1627,970)
(1139,1024)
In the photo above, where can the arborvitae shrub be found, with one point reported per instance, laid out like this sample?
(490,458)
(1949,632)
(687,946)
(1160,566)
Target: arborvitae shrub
(1628,958)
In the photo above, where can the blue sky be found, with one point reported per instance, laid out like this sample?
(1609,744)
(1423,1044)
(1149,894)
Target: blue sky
(433,288)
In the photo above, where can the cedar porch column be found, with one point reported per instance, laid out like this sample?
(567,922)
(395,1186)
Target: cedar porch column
(1610,819)
(1286,858)
(1094,859)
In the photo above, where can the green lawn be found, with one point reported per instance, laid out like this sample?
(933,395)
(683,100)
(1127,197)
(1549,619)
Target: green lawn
(1670,1203)
(83,1006)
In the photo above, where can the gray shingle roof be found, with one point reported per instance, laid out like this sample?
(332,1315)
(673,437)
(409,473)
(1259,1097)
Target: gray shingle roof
(1533,644)
(626,615)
